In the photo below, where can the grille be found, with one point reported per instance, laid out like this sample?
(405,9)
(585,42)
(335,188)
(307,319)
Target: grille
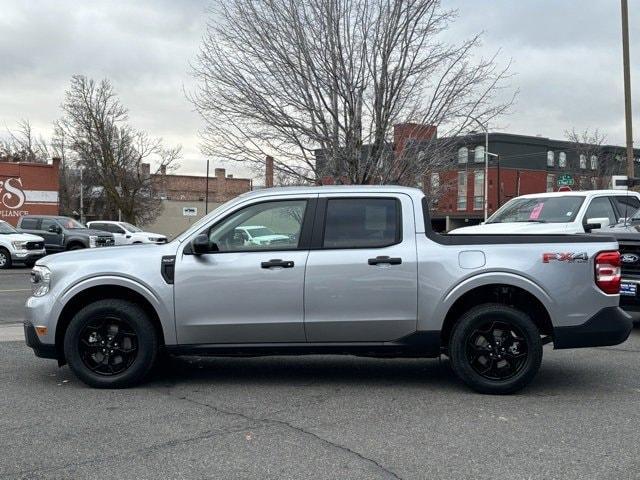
(35,245)
(630,269)
(105,241)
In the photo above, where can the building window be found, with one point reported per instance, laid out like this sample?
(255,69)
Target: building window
(435,180)
(550,158)
(478,190)
(462,190)
(583,161)
(562,160)
(594,183)
(594,162)
(463,155)
(551,182)
(479,154)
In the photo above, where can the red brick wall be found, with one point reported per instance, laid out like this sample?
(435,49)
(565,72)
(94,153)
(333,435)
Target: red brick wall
(28,188)
(404,132)
(193,188)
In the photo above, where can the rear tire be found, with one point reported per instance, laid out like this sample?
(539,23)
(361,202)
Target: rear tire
(495,349)
(76,246)
(111,344)
(5,259)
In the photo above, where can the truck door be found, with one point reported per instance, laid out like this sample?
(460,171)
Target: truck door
(52,233)
(361,278)
(245,292)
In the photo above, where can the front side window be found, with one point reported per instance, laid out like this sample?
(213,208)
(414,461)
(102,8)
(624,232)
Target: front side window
(539,209)
(47,223)
(601,208)
(462,190)
(130,228)
(362,223)
(274,226)
(627,205)
(478,190)
(71,224)
(463,155)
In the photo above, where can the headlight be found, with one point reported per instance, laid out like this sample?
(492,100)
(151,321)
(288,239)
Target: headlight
(19,245)
(92,241)
(40,280)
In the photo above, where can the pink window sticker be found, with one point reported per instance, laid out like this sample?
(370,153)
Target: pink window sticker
(537,210)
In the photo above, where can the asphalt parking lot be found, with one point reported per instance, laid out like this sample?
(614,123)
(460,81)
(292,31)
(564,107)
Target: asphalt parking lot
(15,287)
(323,417)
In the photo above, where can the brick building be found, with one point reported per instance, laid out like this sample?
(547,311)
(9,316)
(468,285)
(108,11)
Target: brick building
(222,187)
(28,188)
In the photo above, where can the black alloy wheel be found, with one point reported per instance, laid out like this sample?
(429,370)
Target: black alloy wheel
(497,350)
(108,346)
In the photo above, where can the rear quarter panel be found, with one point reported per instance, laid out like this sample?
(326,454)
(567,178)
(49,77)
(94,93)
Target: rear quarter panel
(566,289)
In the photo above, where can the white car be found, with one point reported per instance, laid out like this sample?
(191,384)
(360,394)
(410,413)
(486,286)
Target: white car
(260,235)
(559,212)
(16,247)
(125,233)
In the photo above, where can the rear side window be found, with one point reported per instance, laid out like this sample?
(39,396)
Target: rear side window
(29,223)
(362,223)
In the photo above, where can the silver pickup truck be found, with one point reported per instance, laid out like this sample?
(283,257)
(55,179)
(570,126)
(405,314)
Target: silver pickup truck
(355,270)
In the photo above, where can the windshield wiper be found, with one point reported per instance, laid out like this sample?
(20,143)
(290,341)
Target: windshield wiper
(530,221)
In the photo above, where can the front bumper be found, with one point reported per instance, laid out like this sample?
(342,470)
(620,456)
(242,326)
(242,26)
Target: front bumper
(40,349)
(27,255)
(610,326)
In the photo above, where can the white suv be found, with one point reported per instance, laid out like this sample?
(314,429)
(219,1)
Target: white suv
(127,234)
(559,212)
(16,247)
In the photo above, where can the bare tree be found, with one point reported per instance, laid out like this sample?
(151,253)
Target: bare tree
(111,153)
(588,147)
(23,145)
(294,78)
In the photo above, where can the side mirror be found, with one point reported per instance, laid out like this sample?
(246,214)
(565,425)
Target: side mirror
(201,245)
(594,223)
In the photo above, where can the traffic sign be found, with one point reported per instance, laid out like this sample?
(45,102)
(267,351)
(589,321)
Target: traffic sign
(565,179)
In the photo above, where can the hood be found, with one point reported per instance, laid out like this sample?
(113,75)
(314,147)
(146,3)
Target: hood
(512,228)
(151,234)
(110,260)
(22,237)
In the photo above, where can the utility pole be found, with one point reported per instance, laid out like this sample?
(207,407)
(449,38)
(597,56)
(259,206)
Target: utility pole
(627,88)
(206,191)
(81,197)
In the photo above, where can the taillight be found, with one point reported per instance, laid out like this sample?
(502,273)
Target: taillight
(608,272)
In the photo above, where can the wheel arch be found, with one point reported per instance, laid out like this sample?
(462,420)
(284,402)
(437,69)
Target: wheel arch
(505,291)
(74,301)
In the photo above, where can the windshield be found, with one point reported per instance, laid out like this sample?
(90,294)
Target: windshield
(71,224)
(259,231)
(130,227)
(6,229)
(539,210)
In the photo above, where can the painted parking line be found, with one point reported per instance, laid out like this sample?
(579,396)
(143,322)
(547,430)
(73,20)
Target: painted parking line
(16,290)
(11,333)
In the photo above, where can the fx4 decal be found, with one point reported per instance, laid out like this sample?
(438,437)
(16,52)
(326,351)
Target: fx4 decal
(570,257)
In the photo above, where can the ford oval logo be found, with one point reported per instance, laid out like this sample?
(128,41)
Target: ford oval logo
(629,258)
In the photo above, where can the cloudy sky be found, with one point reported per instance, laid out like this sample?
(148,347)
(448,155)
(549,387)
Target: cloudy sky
(566,56)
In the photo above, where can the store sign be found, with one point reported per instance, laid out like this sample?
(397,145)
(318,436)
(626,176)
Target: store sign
(15,201)
(565,180)
(189,211)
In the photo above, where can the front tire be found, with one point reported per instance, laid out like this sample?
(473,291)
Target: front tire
(111,344)
(5,259)
(495,349)
(76,246)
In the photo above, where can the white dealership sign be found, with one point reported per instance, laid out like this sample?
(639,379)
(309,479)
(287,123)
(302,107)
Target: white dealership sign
(15,200)
(189,211)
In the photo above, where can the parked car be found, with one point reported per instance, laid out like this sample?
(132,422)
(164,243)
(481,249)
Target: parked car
(63,233)
(261,235)
(16,247)
(363,273)
(558,212)
(126,234)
